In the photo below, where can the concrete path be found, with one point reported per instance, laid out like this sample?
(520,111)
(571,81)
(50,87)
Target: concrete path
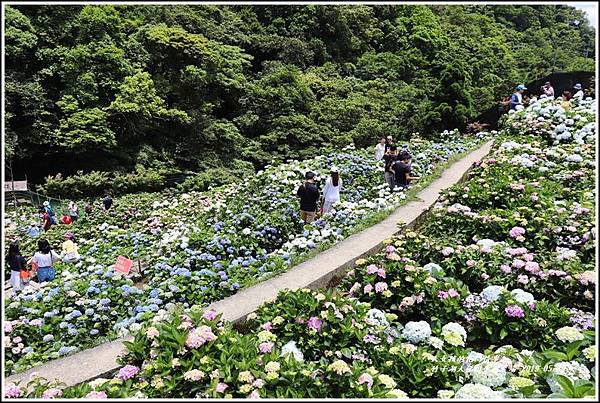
(314,273)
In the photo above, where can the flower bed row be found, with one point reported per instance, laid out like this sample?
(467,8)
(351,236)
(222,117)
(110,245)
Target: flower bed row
(195,248)
(492,298)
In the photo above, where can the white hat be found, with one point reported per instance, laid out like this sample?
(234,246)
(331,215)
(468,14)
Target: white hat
(335,169)
(46,203)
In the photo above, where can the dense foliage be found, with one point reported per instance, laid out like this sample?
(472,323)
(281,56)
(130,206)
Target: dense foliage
(199,87)
(491,299)
(195,247)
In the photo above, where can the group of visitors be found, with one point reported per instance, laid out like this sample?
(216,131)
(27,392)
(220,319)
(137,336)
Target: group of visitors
(519,100)
(310,197)
(41,264)
(397,174)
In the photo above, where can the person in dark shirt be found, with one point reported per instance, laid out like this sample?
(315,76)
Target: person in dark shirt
(17,264)
(389,142)
(107,202)
(309,195)
(390,158)
(402,171)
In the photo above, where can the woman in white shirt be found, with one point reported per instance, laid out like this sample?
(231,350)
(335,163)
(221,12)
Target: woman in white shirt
(331,191)
(380,149)
(579,94)
(44,258)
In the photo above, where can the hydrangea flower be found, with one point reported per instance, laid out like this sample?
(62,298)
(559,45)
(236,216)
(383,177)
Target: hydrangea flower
(454,334)
(291,348)
(568,334)
(472,391)
(415,332)
(489,373)
(572,370)
(492,292)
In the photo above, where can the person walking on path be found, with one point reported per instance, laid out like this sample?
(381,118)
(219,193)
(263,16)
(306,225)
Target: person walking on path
(566,100)
(107,202)
(548,90)
(380,149)
(73,211)
(44,259)
(17,265)
(402,171)
(579,94)
(331,190)
(390,158)
(517,97)
(69,249)
(309,195)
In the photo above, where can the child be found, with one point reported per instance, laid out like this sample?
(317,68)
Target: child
(566,100)
(402,171)
(69,249)
(17,265)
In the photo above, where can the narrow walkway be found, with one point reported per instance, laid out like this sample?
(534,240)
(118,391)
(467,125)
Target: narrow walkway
(314,273)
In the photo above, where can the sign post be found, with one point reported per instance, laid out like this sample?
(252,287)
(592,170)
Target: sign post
(123,265)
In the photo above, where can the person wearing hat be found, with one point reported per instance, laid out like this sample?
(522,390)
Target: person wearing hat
(309,195)
(389,142)
(517,96)
(69,249)
(579,94)
(390,158)
(548,90)
(402,171)
(331,190)
(48,209)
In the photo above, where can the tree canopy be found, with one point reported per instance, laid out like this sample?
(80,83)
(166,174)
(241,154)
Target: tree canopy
(202,87)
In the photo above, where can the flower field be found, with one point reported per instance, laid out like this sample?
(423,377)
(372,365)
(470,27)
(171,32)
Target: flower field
(195,248)
(492,298)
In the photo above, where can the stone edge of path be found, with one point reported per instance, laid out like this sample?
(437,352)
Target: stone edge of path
(317,272)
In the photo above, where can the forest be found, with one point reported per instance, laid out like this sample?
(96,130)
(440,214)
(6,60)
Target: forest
(144,90)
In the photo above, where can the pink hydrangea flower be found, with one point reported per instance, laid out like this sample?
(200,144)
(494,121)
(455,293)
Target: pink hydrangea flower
(199,336)
(381,287)
(514,311)
(518,264)
(528,257)
(8,327)
(471,263)
(314,323)
(209,315)
(505,269)
(51,393)
(254,395)
(128,372)
(265,347)
(12,391)
(368,288)
(372,269)
(220,388)
(390,249)
(381,273)
(523,279)
(442,294)
(532,267)
(453,293)
(485,276)
(516,232)
(267,326)
(366,378)
(96,395)
(447,251)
